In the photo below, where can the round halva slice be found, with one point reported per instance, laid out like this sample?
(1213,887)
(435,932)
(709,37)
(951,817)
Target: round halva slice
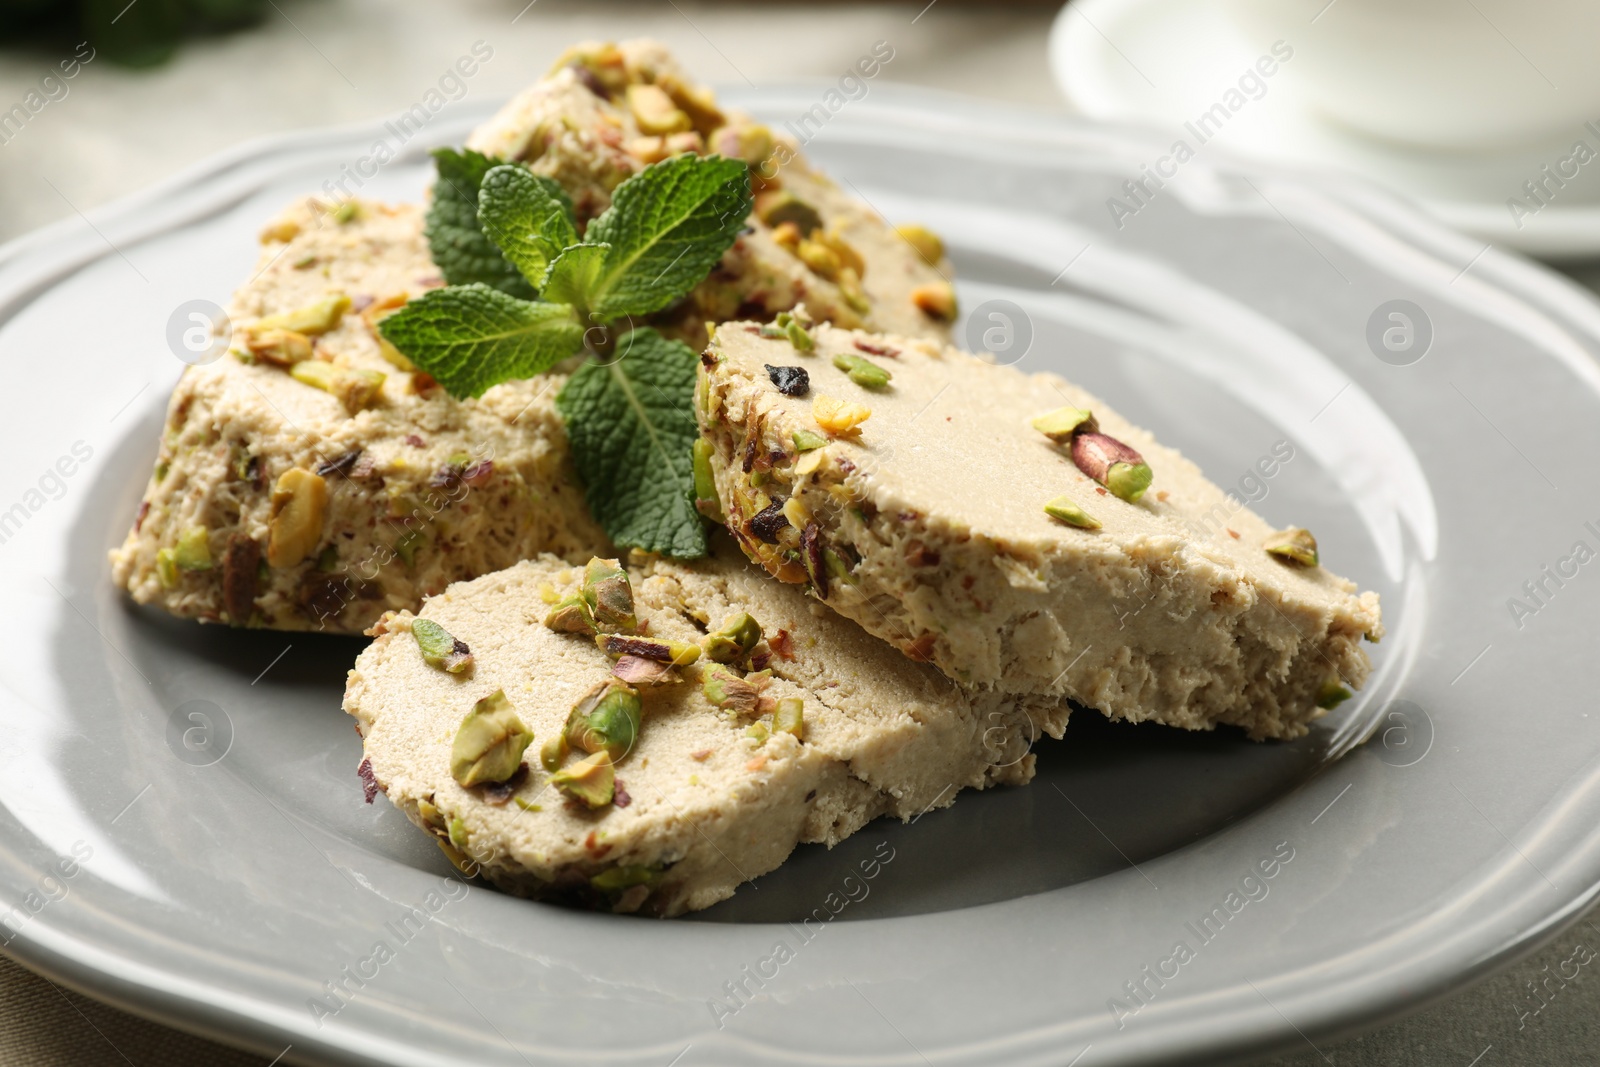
(916,504)
(305,480)
(707,797)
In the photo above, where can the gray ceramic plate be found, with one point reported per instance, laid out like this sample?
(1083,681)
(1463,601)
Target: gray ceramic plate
(229,879)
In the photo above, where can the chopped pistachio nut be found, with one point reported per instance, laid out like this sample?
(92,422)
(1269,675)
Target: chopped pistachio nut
(786,326)
(458,833)
(778,206)
(572,616)
(591,780)
(925,241)
(328,559)
(606,718)
(619,878)
(458,859)
(1294,545)
(193,551)
(725,689)
(750,143)
(347,211)
(862,371)
(1060,424)
(299,501)
(936,300)
(554,752)
(638,671)
(489,745)
(1331,695)
(1111,463)
(1129,480)
(527,805)
(430,814)
(790,717)
(356,389)
(167,567)
(839,417)
(282,347)
(734,639)
(822,260)
(1063,508)
(439,649)
(706,500)
(313,319)
(758,732)
(677,653)
(805,440)
(609,594)
(851,264)
(655,112)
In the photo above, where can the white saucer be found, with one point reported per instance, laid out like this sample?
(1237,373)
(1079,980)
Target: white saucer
(1165,62)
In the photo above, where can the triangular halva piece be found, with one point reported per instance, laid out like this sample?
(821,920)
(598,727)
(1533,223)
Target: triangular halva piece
(970,514)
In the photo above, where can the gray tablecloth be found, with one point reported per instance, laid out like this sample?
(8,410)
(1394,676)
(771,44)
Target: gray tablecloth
(337,61)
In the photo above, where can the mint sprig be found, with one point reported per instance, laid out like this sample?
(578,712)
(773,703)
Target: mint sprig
(460,249)
(632,427)
(500,234)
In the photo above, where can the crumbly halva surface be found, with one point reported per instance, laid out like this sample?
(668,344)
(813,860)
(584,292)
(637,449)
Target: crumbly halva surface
(607,111)
(925,523)
(707,805)
(282,503)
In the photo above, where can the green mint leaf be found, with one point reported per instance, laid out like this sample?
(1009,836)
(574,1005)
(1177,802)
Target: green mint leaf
(460,250)
(529,217)
(575,274)
(667,227)
(632,427)
(471,337)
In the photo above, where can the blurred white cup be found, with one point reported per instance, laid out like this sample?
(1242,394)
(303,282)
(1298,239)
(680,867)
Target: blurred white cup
(1442,74)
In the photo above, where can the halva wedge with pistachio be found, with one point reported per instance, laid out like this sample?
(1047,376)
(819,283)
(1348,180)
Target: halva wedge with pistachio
(1017,532)
(307,479)
(654,754)
(606,111)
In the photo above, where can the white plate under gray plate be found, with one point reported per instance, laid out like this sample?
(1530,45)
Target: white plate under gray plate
(232,880)
(1167,62)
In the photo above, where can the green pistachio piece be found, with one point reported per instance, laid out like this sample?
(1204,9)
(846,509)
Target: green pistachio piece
(458,833)
(862,371)
(458,859)
(489,745)
(606,719)
(738,634)
(790,717)
(439,649)
(610,597)
(780,206)
(1332,694)
(806,441)
(591,780)
(1128,480)
(758,733)
(1064,509)
(161,471)
(554,752)
(619,878)
(328,559)
(785,325)
(706,500)
(193,552)
(725,689)
(406,545)
(347,211)
(313,319)
(1060,424)
(571,616)
(430,814)
(167,567)
(1293,546)
(355,389)
(677,653)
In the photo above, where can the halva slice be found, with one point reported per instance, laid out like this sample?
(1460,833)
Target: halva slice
(606,111)
(1019,533)
(307,480)
(647,743)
